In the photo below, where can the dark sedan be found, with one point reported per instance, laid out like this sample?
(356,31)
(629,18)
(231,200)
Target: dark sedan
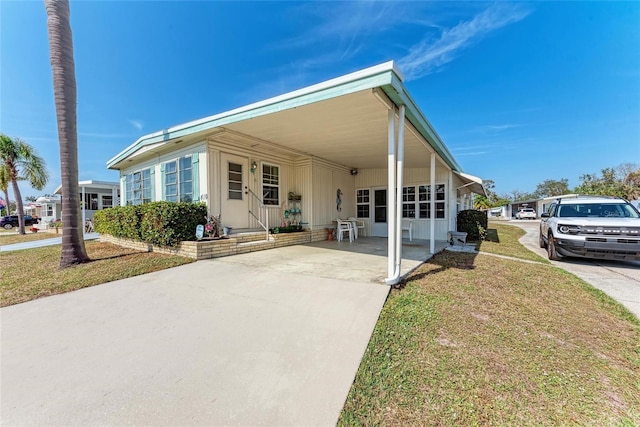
(8,222)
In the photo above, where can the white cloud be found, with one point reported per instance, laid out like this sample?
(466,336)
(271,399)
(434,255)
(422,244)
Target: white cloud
(494,128)
(427,56)
(349,27)
(136,123)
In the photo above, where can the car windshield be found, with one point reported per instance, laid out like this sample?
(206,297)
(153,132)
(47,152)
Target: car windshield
(598,210)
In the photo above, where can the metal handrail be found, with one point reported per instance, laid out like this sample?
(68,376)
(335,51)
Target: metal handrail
(263,212)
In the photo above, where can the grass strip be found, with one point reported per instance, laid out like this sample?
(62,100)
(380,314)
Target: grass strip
(10,239)
(478,340)
(502,239)
(34,273)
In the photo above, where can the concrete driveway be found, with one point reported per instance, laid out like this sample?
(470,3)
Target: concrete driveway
(618,279)
(209,343)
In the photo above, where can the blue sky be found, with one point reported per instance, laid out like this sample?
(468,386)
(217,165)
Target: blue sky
(520,92)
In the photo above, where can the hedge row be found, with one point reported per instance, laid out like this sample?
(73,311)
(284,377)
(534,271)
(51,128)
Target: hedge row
(474,223)
(159,223)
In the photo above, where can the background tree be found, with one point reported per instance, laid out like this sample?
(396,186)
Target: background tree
(619,182)
(481,202)
(22,163)
(552,187)
(31,198)
(64,90)
(519,196)
(491,200)
(632,185)
(4,185)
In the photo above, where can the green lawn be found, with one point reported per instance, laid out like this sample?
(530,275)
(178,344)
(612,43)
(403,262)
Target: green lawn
(479,340)
(503,240)
(9,238)
(34,273)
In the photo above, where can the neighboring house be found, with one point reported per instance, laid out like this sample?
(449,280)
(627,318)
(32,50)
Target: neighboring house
(499,212)
(32,208)
(514,207)
(337,144)
(50,209)
(96,195)
(540,205)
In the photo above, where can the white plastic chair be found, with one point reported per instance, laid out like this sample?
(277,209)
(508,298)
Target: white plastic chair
(342,227)
(407,225)
(356,224)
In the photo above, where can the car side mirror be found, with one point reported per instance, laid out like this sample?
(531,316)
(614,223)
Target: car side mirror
(545,215)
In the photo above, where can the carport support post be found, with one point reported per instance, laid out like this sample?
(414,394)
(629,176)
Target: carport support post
(114,197)
(432,207)
(391,167)
(453,203)
(399,183)
(83,208)
(394,196)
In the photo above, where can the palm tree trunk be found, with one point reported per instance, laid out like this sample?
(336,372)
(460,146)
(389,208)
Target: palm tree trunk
(64,89)
(6,199)
(4,185)
(19,206)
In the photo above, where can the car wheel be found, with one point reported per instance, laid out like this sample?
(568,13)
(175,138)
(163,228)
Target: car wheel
(551,249)
(8,226)
(541,241)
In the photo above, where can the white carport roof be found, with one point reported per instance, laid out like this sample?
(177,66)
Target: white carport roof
(48,199)
(105,185)
(343,120)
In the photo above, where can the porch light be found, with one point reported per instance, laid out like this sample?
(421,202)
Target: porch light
(254,166)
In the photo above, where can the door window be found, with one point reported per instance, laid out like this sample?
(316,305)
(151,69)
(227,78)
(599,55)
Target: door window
(380,205)
(235,181)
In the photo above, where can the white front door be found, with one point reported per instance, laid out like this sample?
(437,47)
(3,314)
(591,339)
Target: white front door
(379,225)
(235,200)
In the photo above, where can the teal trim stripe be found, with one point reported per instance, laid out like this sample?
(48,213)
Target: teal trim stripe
(162,182)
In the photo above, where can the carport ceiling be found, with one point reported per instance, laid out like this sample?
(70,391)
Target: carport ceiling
(350,130)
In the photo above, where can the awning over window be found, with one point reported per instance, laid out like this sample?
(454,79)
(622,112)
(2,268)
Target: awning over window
(473,183)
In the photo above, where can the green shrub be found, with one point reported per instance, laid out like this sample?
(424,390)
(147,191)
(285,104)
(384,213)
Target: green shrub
(119,221)
(474,223)
(159,223)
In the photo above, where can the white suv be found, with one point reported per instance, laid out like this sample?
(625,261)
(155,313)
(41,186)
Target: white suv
(591,227)
(523,213)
